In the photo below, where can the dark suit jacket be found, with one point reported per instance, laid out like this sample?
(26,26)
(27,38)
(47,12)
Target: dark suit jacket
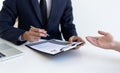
(28,13)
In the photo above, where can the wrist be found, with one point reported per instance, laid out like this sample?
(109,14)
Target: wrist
(24,35)
(116,46)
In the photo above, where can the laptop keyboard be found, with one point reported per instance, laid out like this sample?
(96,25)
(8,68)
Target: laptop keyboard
(1,55)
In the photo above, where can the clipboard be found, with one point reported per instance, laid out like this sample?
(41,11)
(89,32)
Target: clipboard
(53,46)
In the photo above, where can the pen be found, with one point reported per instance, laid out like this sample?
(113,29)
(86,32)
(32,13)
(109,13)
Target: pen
(46,33)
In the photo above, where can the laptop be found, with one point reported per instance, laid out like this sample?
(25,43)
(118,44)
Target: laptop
(7,52)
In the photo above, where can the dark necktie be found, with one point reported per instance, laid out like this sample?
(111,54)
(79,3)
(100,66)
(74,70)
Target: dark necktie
(43,7)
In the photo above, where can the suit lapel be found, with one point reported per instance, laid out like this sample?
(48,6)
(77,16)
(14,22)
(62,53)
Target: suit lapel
(38,12)
(37,9)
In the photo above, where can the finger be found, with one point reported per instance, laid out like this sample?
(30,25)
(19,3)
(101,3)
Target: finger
(34,29)
(43,35)
(92,40)
(103,33)
(42,31)
(36,38)
(35,34)
(77,47)
(37,30)
(78,39)
(71,39)
(33,39)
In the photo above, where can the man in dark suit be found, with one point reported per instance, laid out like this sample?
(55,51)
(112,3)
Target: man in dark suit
(59,21)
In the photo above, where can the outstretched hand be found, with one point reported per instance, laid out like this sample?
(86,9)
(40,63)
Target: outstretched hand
(104,41)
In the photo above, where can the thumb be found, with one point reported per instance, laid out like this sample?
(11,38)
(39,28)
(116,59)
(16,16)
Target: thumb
(102,33)
(71,39)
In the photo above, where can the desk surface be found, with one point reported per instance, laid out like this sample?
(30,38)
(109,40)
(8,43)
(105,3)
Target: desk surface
(88,59)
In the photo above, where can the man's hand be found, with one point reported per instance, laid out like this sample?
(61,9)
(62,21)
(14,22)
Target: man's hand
(34,34)
(76,39)
(104,41)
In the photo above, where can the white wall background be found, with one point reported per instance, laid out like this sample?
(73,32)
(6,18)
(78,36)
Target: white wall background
(1,3)
(93,15)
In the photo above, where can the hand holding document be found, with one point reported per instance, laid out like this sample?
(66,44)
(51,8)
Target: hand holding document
(34,34)
(76,39)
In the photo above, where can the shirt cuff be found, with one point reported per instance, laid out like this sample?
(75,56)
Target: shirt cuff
(20,39)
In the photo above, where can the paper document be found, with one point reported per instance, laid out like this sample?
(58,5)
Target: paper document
(53,46)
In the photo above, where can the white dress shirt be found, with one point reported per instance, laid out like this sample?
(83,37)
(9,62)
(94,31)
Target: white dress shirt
(49,4)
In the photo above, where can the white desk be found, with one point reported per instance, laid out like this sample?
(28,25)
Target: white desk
(88,59)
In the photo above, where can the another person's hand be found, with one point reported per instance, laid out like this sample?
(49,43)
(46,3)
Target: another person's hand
(76,39)
(34,34)
(105,41)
